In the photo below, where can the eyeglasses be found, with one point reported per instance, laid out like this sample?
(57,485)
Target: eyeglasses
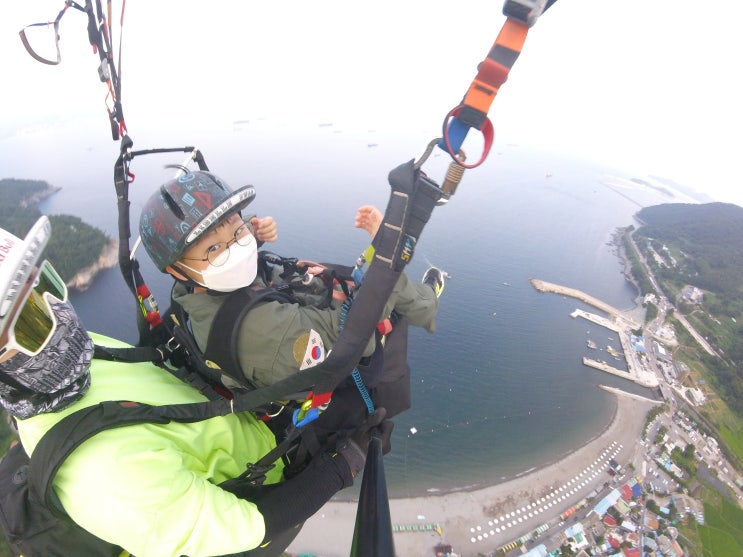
(33,325)
(218,254)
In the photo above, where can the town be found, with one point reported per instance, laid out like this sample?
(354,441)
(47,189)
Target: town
(646,486)
(638,510)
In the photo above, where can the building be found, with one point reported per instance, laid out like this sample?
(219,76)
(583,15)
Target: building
(692,295)
(538,551)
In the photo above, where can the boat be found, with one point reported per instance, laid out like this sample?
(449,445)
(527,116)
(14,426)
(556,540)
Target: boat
(611,351)
(591,344)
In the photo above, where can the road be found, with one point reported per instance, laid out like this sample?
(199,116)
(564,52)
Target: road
(664,305)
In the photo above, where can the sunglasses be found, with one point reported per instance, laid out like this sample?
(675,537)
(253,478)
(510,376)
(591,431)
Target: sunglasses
(33,325)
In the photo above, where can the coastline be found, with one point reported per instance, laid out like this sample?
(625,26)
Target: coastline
(107,259)
(468,519)
(40,196)
(624,258)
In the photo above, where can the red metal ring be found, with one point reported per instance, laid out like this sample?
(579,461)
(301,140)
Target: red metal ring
(488,134)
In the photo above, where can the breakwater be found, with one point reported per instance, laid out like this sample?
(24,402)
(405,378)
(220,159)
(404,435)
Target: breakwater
(603,366)
(544,286)
(617,321)
(593,318)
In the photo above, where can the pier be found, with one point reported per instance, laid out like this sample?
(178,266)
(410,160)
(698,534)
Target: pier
(603,366)
(642,378)
(544,286)
(620,392)
(616,321)
(593,318)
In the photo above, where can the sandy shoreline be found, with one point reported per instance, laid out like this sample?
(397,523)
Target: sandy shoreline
(485,519)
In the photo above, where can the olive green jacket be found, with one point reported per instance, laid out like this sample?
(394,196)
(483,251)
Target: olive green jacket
(276,339)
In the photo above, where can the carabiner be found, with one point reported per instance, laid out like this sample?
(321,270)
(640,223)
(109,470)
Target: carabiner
(454,172)
(426,153)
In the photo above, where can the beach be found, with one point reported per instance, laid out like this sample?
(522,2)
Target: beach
(482,520)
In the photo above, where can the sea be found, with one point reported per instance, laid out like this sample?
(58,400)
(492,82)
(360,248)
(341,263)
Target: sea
(499,390)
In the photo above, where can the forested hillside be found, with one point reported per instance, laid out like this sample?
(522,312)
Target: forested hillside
(74,245)
(708,245)
(702,246)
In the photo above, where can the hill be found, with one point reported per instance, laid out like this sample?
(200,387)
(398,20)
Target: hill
(706,242)
(696,253)
(74,246)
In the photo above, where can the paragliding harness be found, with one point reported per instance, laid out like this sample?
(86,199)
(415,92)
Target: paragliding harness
(33,520)
(381,378)
(293,282)
(32,517)
(411,202)
(168,337)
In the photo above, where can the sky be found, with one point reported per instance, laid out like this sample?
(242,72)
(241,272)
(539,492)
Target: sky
(651,86)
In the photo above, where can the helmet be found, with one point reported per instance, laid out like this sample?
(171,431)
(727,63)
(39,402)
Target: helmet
(17,261)
(56,372)
(183,209)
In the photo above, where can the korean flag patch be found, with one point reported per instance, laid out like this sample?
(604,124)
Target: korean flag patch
(309,349)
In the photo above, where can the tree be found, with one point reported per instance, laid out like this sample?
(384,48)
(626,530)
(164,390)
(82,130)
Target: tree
(689,451)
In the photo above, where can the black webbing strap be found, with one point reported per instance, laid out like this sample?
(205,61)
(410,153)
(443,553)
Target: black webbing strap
(158,356)
(129,354)
(255,473)
(99,35)
(121,184)
(221,346)
(148,319)
(412,199)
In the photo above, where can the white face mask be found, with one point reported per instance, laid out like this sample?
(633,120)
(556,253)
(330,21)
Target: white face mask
(239,270)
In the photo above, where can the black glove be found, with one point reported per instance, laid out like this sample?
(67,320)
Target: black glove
(354,449)
(346,412)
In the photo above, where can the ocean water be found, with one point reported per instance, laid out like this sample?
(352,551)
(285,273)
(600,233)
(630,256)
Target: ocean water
(499,389)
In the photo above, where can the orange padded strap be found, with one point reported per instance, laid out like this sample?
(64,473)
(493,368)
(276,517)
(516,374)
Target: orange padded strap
(493,72)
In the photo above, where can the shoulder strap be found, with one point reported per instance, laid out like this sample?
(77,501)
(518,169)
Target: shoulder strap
(70,432)
(410,205)
(202,380)
(221,347)
(129,354)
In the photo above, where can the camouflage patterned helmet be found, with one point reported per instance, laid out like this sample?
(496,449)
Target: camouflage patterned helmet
(183,209)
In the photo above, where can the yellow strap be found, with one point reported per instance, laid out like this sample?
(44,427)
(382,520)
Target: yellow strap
(369,253)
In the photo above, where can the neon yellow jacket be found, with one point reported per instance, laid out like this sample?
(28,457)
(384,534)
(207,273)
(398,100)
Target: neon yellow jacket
(152,489)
